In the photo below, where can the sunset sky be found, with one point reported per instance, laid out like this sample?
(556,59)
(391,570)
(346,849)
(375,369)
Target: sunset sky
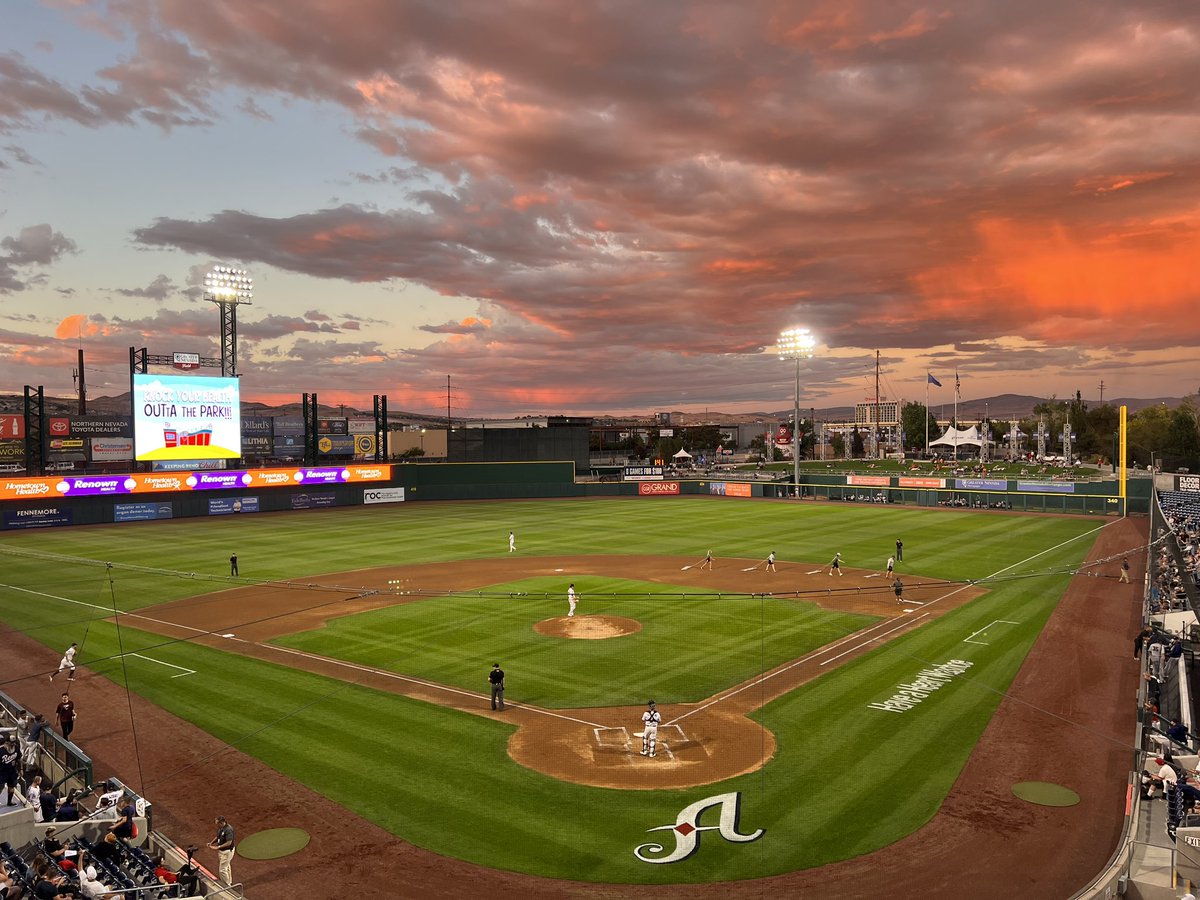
(588,207)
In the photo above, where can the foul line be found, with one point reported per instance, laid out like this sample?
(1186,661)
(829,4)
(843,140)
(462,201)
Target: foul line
(967,639)
(428,684)
(161,663)
(817,653)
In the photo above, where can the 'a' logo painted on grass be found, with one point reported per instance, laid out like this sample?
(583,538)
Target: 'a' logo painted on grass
(687,829)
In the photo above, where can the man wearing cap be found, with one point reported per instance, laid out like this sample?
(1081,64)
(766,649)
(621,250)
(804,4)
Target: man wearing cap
(496,680)
(1166,777)
(223,844)
(650,722)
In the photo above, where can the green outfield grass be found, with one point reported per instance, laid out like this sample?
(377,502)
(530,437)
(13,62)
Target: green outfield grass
(688,649)
(846,778)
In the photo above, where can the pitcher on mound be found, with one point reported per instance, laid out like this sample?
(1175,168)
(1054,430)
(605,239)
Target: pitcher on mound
(650,721)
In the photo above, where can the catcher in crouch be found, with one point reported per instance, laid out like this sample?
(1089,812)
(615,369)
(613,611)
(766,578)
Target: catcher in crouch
(650,722)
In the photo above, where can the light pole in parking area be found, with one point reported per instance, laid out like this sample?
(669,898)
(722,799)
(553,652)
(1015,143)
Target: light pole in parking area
(797,344)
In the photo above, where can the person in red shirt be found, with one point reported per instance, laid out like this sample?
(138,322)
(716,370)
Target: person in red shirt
(66,716)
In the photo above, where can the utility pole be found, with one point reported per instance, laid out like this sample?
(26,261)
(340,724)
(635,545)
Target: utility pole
(447,407)
(1101,391)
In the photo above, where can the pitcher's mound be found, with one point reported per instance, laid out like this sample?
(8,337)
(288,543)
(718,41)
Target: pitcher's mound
(588,628)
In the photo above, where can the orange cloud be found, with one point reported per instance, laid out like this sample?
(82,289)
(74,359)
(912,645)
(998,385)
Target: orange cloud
(78,325)
(1044,270)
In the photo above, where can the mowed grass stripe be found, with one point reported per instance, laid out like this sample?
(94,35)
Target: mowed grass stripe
(683,653)
(450,771)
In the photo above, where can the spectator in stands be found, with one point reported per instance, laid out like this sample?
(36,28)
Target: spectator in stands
(49,804)
(108,850)
(56,850)
(1140,641)
(1178,733)
(90,885)
(1156,653)
(10,889)
(29,753)
(188,877)
(1166,777)
(106,811)
(161,872)
(50,887)
(68,811)
(124,827)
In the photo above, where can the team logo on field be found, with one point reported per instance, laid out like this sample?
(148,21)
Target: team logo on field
(687,829)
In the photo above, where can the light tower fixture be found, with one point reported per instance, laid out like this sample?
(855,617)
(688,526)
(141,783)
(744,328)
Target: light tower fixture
(229,288)
(798,344)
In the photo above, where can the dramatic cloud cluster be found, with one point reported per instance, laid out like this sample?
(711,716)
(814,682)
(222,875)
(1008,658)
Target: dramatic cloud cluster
(639,196)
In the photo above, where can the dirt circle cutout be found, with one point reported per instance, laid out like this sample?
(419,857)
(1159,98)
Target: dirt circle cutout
(588,628)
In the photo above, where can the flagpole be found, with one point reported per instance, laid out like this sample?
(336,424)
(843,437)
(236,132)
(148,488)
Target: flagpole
(956,415)
(927,414)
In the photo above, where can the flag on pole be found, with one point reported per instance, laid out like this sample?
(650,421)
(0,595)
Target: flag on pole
(957,386)
(932,380)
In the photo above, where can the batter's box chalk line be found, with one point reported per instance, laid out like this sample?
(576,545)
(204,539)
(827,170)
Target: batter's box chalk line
(612,738)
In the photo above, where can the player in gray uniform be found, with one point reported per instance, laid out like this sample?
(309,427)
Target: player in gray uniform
(651,719)
(67,662)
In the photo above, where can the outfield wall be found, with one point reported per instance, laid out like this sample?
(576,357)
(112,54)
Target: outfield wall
(138,499)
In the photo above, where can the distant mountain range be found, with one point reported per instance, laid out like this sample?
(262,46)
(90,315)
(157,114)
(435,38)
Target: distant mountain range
(1004,406)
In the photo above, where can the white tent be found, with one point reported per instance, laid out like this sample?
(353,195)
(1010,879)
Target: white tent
(682,454)
(959,437)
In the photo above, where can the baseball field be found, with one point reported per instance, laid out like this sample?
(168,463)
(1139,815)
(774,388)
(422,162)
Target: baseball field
(351,655)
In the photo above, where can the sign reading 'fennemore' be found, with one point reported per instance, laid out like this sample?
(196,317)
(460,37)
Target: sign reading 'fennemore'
(927,681)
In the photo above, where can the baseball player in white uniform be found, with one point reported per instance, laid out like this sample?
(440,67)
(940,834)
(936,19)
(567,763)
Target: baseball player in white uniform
(651,719)
(891,565)
(572,598)
(67,662)
(512,542)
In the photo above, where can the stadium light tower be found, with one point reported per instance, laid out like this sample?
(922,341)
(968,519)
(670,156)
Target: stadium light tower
(229,289)
(797,344)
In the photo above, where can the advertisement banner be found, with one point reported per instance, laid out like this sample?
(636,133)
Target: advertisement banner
(293,425)
(333,426)
(186,417)
(226,506)
(657,488)
(257,444)
(335,445)
(1190,483)
(981,484)
(869,480)
(111,449)
(313,501)
(12,450)
(186,465)
(142,483)
(89,426)
(642,473)
(140,512)
(384,495)
(362,426)
(39,517)
(717,488)
(1053,487)
(12,427)
(913,481)
(364,446)
(738,489)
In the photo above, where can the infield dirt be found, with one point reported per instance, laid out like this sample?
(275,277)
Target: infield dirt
(1068,718)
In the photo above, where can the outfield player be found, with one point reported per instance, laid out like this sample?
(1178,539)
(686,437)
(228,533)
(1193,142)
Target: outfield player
(67,662)
(836,564)
(572,598)
(512,542)
(650,722)
(708,561)
(771,561)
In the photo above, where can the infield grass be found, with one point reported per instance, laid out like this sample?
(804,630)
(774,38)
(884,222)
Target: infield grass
(846,779)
